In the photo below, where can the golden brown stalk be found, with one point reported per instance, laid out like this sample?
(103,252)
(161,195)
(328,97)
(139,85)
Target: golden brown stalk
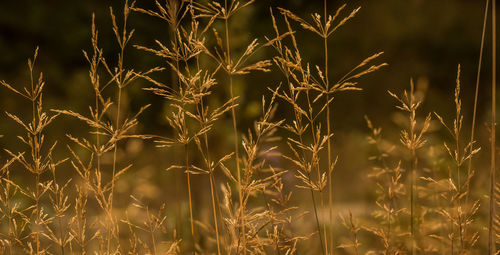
(412,139)
(330,179)
(317,141)
(120,74)
(117,123)
(235,129)
(459,214)
(412,173)
(201,112)
(457,128)
(476,93)
(491,239)
(186,152)
(37,163)
(172,7)
(213,192)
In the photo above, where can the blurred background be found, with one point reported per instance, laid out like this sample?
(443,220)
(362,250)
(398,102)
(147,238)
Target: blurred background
(423,40)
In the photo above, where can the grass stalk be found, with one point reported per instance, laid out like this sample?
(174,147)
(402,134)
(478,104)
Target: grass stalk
(476,93)
(35,154)
(206,157)
(120,80)
(413,155)
(315,206)
(186,152)
(235,129)
(212,190)
(328,128)
(111,196)
(491,239)
(317,221)
(323,236)
(176,84)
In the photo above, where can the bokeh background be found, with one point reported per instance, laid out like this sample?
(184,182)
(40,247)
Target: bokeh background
(423,40)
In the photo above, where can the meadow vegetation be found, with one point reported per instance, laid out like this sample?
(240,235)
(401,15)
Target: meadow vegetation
(271,191)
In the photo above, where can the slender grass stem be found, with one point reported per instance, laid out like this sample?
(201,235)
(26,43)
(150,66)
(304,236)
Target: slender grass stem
(491,239)
(212,190)
(315,205)
(474,112)
(110,208)
(328,128)
(186,152)
(35,151)
(187,160)
(37,217)
(235,130)
(317,220)
(61,235)
(413,155)
(476,94)
(206,156)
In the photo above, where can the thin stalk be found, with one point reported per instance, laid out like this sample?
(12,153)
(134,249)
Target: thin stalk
(450,195)
(153,238)
(213,193)
(98,145)
(235,130)
(175,78)
(37,220)
(176,81)
(120,81)
(460,223)
(154,243)
(311,123)
(61,235)
(325,240)
(10,218)
(186,152)
(34,155)
(120,84)
(474,113)
(413,169)
(212,190)
(322,242)
(98,139)
(389,216)
(214,196)
(268,207)
(187,156)
(297,119)
(110,207)
(412,200)
(457,155)
(476,93)
(491,239)
(317,219)
(330,184)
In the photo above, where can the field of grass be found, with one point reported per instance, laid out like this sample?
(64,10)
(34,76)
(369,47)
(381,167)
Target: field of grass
(240,167)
